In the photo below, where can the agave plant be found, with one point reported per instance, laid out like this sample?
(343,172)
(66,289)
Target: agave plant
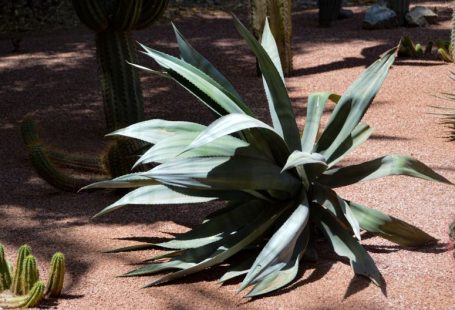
(278,184)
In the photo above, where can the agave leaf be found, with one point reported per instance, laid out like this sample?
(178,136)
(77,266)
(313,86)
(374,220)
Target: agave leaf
(172,147)
(345,245)
(315,108)
(191,56)
(224,173)
(153,131)
(307,165)
(218,227)
(378,168)
(314,161)
(283,277)
(230,245)
(388,227)
(359,135)
(233,123)
(279,103)
(238,270)
(329,199)
(199,79)
(131,180)
(353,105)
(278,251)
(132,248)
(153,195)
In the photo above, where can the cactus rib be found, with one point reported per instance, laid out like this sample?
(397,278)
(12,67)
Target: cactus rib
(16,285)
(56,275)
(30,275)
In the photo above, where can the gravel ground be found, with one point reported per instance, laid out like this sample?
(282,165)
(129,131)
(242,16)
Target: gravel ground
(55,77)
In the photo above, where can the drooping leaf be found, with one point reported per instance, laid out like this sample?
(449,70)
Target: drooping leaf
(378,168)
(153,195)
(315,108)
(279,103)
(353,104)
(239,269)
(153,131)
(224,173)
(132,180)
(389,227)
(170,148)
(345,245)
(217,227)
(278,251)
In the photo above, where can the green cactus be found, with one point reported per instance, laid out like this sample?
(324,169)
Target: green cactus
(112,21)
(279,13)
(401,8)
(5,271)
(56,275)
(30,274)
(32,299)
(16,285)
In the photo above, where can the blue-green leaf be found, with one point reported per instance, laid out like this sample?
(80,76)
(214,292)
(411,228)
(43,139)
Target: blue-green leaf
(315,108)
(378,168)
(279,103)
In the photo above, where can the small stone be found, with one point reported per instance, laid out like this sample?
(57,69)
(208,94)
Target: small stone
(379,17)
(420,16)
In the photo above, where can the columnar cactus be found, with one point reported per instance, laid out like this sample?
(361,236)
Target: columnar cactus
(452,36)
(22,253)
(112,21)
(56,275)
(280,19)
(5,271)
(30,274)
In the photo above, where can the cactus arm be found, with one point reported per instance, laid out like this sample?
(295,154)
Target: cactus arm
(91,14)
(56,279)
(5,271)
(127,15)
(16,285)
(32,299)
(151,11)
(30,275)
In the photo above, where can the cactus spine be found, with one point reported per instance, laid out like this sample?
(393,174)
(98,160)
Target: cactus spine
(16,286)
(56,275)
(30,275)
(280,18)
(5,272)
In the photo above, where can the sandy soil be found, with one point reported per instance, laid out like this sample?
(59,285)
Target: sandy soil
(55,77)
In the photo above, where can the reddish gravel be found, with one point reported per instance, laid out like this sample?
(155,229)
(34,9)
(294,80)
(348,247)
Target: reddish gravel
(55,77)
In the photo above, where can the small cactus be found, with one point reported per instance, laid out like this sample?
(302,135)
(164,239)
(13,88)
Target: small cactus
(5,272)
(30,300)
(22,253)
(56,275)
(30,275)
(25,289)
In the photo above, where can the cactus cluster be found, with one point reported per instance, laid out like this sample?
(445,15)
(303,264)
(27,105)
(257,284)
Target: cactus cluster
(408,48)
(112,21)
(279,13)
(21,287)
